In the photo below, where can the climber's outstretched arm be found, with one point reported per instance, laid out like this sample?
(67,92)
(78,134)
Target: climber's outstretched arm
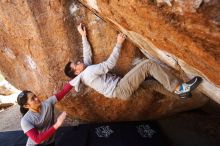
(110,63)
(87,53)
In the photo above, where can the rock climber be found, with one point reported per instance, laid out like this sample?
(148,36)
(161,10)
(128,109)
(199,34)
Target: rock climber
(97,76)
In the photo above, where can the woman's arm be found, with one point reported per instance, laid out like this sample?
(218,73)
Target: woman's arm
(40,137)
(67,87)
(57,97)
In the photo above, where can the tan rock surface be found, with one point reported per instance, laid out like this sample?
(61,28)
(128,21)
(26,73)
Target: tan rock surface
(183,34)
(38,37)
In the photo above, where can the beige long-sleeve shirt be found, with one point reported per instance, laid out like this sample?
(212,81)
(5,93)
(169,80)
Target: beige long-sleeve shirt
(96,76)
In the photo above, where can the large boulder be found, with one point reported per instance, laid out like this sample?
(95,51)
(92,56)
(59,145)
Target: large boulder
(38,37)
(184,34)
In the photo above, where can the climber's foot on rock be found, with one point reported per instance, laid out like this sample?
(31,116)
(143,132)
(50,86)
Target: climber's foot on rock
(184,90)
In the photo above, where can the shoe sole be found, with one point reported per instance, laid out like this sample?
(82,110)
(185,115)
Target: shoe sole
(199,80)
(188,94)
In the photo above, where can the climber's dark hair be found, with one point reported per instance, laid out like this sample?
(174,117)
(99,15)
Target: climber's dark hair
(69,71)
(22,100)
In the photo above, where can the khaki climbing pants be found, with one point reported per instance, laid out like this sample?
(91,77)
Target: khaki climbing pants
(131,81)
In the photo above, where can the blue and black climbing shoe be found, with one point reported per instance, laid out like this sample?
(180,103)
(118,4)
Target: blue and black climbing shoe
(186,88)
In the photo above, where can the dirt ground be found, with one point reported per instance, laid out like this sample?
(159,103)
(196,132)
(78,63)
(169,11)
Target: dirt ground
(10,119)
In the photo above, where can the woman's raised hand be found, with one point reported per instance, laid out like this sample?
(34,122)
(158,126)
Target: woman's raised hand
(60,120)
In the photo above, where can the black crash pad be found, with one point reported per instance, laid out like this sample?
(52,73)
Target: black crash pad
(99,134)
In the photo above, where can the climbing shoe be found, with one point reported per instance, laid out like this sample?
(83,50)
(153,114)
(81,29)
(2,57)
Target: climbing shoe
(186,88)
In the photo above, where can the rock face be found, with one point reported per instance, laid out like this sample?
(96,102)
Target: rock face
(38,37)
(183,34)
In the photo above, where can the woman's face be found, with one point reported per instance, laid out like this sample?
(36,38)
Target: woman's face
(32,102)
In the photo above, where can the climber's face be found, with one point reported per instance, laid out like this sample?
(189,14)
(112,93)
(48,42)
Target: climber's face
(77,67)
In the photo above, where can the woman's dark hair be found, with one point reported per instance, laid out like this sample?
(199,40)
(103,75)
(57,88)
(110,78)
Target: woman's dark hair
(22,100)
(68,70)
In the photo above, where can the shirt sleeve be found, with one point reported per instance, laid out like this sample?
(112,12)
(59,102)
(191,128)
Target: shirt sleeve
(104,67)
(87,53)
(76,82)
(40,137)
(67,87)
(26,125)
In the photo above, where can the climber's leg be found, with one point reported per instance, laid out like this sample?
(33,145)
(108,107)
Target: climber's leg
(131,81)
